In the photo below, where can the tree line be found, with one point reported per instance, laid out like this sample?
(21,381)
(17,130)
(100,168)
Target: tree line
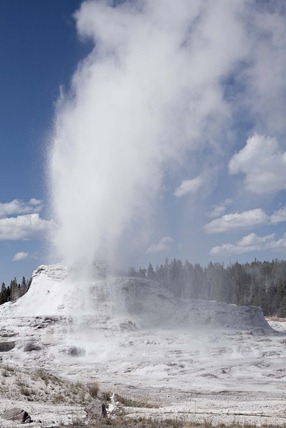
(15,290)
(257,283)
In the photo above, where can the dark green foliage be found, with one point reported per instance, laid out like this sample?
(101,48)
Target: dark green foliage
(5,294)
(14,290)
(258,283)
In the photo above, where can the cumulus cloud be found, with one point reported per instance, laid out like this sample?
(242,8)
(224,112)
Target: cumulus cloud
(247,244)
(18,206)
(188,186)
(245,220)
(237,221)
(20,256)
(23,227)
(250,243)
(262,163)
(161,246)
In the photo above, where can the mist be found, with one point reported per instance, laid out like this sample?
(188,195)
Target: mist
(148,104)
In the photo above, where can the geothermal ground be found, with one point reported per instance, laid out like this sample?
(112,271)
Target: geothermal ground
(134,341)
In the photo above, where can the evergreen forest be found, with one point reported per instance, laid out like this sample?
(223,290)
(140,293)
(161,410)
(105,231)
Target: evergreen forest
(15,290)
(258,283)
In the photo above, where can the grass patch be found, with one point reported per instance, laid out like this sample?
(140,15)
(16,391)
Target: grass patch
(131,423)
(105,395)
(150,423)
(129,402)
(48,378)
(25,391)
(42,374)
(7,370)
(93,389)
(59,398)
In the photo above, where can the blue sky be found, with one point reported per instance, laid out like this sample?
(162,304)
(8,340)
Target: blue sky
(169,143)
(39,51)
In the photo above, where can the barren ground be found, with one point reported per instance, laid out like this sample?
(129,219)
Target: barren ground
(191,374)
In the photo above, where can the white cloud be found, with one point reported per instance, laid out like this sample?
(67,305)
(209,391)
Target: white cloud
(280,244)
(245,220)
(188,186)
(218,210)
(250,243)
(263,164)
(20,256)
(29,226)
(163,245)
(17,207)
(237,221)
(278,216)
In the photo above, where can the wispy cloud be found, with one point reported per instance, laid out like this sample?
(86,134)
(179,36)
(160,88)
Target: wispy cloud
(161,246)
(278,216)
(188,186)
(250,243)
(20,256)
(245,220)
(23,227)
(262,163)
(218,210)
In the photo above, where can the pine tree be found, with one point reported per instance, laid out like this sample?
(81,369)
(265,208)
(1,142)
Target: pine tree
(150,272)
(14,290)
(3,295)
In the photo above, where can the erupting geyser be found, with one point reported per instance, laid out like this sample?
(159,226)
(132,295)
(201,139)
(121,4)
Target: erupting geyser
(150,97)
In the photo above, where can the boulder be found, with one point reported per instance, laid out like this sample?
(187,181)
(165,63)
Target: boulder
(18,415)
(6,346)
(76,351)
(31,346)
(94,409)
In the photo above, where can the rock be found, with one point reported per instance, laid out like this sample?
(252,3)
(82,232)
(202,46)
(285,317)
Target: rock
(148,305)
(128,326)
(26,418)
(94,409)
(7,334)
(32,346)
(6,346)
(17,414)
(76,351)
(45,321)
(103,410)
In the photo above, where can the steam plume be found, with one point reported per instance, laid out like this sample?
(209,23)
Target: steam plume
(151,92)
